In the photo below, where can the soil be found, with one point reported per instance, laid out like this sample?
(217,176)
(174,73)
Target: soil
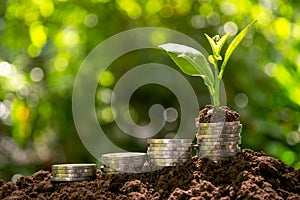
(248,175)
(210,115)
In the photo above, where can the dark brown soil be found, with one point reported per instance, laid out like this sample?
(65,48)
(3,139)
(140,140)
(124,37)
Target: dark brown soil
(248,175)
(210,115)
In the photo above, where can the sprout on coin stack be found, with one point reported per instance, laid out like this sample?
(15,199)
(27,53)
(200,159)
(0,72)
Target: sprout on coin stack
(219,128)
(73,172)
(127,162)
(168,152)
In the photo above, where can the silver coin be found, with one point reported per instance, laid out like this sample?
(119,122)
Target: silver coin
(169,152)
(178,145)
(217,136)
(218,147)
(218,124)
(216,155)
(206,143)
(70,179)
(74,175)
(219,151)
(169,148)
(221,127)
(165,160)
(123,162)
(66,171)
(220,140)
(173,154)
(218,131)
(169,141)
(169,157)
(125,159)
(117,166)
(73,166)
(165,164)
(123,155)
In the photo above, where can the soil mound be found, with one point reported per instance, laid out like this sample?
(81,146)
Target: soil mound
(248,175)
(224,114)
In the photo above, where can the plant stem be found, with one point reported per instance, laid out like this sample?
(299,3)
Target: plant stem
(216,95)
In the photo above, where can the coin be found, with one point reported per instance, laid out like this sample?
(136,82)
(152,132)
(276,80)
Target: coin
(69,179)
(125,165)
(129,155)
(204,140)
(73,166)
(206,143)
(167,160)
(218,124)
(168,148)
(222,147)
(172,145)
(66,171)
(211,136)
(169,141)
(73,172)
(219,151)
(168,157)
(169,152)
(73,175)
(219,131)
(123,161)
(124,158)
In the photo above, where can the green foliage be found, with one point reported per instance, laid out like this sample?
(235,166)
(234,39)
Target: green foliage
(192,61)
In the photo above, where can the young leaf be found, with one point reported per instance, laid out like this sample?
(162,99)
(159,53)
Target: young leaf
(222,41)
(235,42)
(190,61)
(212,44)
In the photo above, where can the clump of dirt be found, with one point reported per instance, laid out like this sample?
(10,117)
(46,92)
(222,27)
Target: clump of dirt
(248,175)
(211,115)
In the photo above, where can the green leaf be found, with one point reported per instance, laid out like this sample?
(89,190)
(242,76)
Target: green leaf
(235,42)
(212,44)
(190,61)
(222,41)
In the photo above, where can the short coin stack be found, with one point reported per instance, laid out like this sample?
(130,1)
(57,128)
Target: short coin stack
(127,162)
(168,152)
(218,141)
(73,172)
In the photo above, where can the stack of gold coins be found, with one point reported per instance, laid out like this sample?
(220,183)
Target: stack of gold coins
(73,172)
(168,152)
(218,141)
(127,162)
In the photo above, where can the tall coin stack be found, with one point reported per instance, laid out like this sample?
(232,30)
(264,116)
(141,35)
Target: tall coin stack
(218,141)
(168,152)
(73,172)
(127,162)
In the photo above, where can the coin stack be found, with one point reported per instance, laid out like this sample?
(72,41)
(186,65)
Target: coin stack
(168,152)
(127,162)
(73,172)
(218,141)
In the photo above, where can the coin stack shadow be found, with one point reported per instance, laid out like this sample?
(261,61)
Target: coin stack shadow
(168,152)
(127,162)
(73,172)
(218,141)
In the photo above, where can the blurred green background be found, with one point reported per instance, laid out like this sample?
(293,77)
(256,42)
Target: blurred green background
(44,42)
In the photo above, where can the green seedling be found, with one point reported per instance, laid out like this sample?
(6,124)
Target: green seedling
(192,62)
